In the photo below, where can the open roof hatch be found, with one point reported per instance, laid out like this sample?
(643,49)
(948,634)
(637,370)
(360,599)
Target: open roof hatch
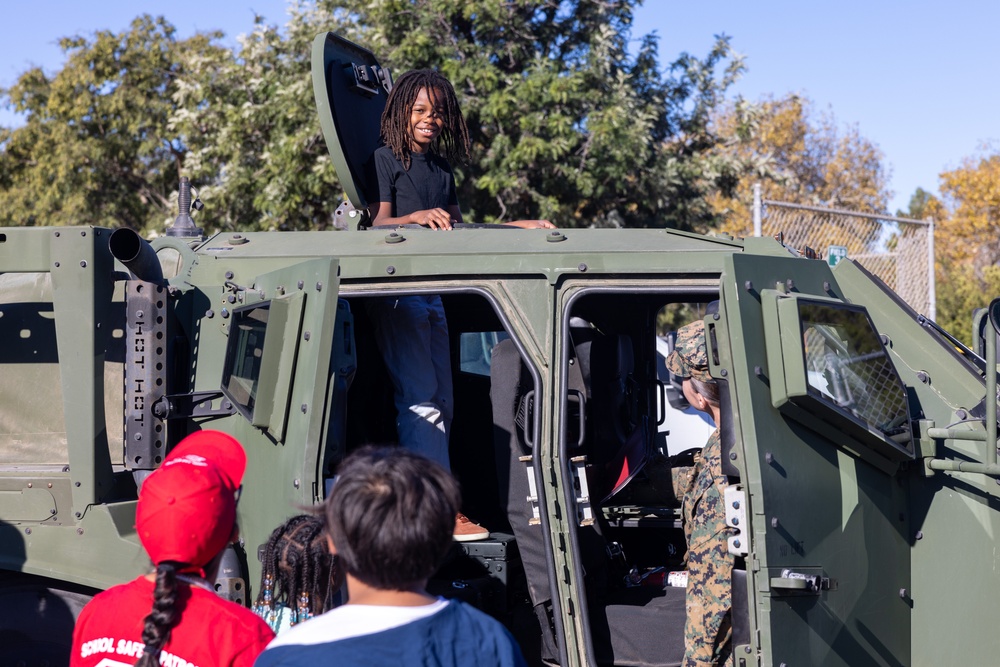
(351,89)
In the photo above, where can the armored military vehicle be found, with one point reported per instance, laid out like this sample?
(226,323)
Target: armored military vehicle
(859,439)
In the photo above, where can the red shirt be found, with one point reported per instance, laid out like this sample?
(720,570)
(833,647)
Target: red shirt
(212,632)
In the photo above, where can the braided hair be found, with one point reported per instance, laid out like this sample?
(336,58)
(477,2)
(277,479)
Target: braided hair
(298,569)
(163,617)
(395,126)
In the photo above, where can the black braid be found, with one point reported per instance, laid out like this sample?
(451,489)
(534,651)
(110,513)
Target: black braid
(395,128)
(298,561)
(159,622)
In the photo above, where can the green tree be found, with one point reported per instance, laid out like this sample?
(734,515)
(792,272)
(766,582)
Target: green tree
(95,147)
(566,124)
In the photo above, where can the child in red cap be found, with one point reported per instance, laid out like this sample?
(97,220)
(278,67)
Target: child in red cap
(185,517)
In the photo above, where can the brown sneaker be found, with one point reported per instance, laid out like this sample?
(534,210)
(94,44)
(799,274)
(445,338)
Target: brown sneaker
(466,531)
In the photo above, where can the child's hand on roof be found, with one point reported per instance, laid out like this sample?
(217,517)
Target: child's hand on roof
(435,218)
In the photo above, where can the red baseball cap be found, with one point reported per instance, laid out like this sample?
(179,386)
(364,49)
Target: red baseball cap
(187,507)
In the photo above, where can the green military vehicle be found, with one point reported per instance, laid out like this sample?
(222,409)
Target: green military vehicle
(859,439)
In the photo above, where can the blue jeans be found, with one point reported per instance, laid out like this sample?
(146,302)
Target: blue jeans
(412,334)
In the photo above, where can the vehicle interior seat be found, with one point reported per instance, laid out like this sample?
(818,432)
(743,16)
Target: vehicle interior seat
(620,618)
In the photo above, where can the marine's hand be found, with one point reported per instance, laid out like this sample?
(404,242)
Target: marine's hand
(532,224)
(435,218)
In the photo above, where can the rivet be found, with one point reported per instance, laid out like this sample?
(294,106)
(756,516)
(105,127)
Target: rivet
(52,511)
(27,531)
(923,377)
(716,316)
(229,275)
(76,484)
(790,284)
(768,457)
(736,521)
(902,593)
(306,335)
(29,485)
(304,408)
(390,270)
(57,263)
(724,373)
(225,313)
(736,504)
(582,268)
(79,531)
(231,298)
(49,485)
(57,234)
(209,313)
(774,522)
(962,414)
(884,339)
(139,314)
(319,287)
(295,483)
(83,263)
(301,284)
(748,286)
(78,515)
(732,456)
(758,371)
(919,535)
(83,233)
(746,649)
(736,543)
(826,285)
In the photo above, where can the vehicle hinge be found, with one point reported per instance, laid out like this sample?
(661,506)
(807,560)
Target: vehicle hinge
(532,498)
(736,517)
(584,511)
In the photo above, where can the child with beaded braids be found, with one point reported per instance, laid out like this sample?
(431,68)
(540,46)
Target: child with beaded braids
(185,517)
(411,182)
(299,576)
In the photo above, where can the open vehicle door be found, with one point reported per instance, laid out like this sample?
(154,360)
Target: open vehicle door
(824,437)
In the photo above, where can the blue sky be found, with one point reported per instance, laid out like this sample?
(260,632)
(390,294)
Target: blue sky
(918,79)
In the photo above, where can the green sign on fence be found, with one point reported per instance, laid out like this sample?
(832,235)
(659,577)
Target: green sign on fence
(835,253)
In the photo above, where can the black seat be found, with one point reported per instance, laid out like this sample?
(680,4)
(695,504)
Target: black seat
(620,619)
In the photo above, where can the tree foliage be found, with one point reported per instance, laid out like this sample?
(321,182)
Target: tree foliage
(566,123)
(798,156)
(96,147)
(967,247)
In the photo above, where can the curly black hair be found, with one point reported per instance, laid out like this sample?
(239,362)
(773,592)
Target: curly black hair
(395,127)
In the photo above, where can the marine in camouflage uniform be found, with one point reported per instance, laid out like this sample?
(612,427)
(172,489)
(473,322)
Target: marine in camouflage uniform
(708,628)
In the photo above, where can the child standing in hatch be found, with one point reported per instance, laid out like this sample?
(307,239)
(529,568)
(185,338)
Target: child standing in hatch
(422,130)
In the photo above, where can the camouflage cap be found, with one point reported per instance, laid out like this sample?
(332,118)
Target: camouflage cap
(688,358)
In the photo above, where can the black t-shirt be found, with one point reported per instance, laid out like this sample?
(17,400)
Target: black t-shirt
(427,184)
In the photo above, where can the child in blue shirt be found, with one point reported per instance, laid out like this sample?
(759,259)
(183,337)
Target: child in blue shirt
(423,130)
(389,521)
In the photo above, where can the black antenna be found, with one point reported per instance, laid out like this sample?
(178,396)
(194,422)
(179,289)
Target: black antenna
(184,223)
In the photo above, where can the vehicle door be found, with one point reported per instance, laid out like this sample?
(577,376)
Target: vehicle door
(953,510)
(823,441)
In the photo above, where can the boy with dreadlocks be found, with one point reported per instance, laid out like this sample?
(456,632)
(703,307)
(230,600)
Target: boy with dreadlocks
(422,129)
(299,574)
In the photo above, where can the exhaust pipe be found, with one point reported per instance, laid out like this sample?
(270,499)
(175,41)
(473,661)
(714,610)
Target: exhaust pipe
(136,254)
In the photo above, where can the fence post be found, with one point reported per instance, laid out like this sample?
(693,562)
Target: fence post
(931,286)
(756,209)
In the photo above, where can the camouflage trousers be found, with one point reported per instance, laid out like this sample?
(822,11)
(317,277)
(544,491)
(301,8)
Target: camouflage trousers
(708,628)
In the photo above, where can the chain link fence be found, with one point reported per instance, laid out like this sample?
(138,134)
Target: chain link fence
(900,251)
